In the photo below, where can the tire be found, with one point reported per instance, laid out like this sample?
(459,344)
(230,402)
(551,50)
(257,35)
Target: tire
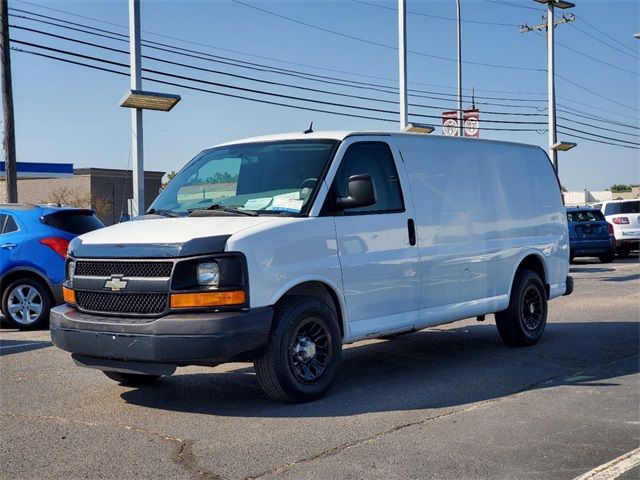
(132,379)
(607,257)
(572,257)
(524,320)
(26,304)
(304,351)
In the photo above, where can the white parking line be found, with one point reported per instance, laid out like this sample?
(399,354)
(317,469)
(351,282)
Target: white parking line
(20,345)
(614,468)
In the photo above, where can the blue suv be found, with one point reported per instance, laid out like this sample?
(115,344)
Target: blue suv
(33,247)
(590,234)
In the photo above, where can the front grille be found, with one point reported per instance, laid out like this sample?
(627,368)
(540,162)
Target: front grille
(114,303)
(128,269)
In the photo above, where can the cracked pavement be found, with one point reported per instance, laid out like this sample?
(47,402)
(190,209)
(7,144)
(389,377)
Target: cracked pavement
(448,402)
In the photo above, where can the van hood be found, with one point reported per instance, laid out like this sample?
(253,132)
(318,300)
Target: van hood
(162,237)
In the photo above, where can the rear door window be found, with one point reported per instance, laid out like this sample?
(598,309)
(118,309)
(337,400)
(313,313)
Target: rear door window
(76,223)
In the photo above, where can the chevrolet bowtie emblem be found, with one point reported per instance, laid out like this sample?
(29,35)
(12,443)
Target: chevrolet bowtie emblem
(116,283)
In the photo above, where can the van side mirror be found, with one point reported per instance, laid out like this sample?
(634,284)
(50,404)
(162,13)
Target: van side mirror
(362,193)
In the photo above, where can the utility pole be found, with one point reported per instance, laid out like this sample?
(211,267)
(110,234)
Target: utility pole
(402,62)
(550,25)
(460,112)
(138,207)
(9,143)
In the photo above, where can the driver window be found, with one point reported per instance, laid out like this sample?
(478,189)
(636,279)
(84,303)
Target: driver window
(375,159)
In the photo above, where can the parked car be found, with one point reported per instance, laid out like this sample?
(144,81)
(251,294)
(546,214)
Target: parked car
(590,235)
(278,250)
(624,215)
(33,248)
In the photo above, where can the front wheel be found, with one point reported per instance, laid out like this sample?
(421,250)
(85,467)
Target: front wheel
(304,350)
(132,379)
(525,319)
(26,304)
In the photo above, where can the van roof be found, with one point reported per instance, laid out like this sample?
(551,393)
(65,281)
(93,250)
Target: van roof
(342,134)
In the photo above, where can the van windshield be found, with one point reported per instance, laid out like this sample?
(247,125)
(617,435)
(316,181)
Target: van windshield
(257,178)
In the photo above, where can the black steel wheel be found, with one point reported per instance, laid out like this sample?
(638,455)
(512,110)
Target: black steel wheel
(524,320)
(304,350)
(132,379)
(607,257)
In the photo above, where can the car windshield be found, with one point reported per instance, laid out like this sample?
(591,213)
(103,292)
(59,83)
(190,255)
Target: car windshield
(616,208)
(585,216)
(265,178)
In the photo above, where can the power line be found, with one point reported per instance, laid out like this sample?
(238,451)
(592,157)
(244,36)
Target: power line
(607,35)
(439,17)
(579,113)
(595,93)
(181,77)
(599,40)
(378,44)
(515,5)
(597,141)
(599,136)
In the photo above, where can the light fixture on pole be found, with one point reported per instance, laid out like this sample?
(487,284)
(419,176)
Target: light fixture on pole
(563,146)
(418,128)
(137,100)
(551,109)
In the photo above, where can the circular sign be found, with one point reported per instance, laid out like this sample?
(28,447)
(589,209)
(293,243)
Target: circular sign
(471,126)
(450,127)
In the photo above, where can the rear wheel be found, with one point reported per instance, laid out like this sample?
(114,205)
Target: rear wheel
(26,304)
(132,379)
(623,253)
(607,257)
(524,320)
(303,353)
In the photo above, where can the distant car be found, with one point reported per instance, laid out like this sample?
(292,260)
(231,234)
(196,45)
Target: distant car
(33,247)
(624,215)
(590,235)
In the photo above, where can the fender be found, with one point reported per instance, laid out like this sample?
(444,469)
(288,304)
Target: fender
(337,291)
(52,287)
(521,257)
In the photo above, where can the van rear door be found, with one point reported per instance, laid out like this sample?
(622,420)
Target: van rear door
(380,266)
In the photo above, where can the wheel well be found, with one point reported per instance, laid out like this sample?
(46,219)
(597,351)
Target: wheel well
(533,263)
(321,291)
(23,274)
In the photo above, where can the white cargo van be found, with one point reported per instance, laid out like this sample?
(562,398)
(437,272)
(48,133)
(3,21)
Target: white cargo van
(279,249)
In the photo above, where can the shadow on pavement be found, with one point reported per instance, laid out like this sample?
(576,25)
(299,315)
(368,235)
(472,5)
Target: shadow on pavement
(8,347)
(428,369)
(626,278)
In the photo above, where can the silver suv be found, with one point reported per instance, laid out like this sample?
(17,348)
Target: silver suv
(624,215)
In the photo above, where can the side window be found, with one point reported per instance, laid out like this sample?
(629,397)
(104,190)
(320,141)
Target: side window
(375,159)
(10,225)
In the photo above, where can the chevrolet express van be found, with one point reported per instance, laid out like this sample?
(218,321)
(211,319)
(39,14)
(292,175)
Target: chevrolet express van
(279,249)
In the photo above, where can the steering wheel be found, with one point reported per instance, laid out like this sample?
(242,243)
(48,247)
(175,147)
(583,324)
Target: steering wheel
(309,180)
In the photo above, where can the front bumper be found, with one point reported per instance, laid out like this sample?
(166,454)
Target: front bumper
(172,340)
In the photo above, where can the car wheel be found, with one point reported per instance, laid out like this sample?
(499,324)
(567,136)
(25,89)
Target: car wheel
(132,379)
(26,304)
(572,257)
(524,320)
(623,253)
(607,257)
(304,351)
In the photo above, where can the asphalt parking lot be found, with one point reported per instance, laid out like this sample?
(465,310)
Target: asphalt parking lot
(450,402)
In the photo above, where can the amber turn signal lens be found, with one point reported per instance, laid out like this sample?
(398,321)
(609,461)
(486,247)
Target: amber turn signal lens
(68,295)
(208,299)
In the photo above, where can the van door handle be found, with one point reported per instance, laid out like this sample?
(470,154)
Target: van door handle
(8,246)
(411,226)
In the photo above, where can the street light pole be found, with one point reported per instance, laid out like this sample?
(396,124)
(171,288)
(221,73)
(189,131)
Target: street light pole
(402,62)
(138,204)
(551,108)
(460,113)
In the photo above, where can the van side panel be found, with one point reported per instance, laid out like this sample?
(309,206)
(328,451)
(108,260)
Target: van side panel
(481,207)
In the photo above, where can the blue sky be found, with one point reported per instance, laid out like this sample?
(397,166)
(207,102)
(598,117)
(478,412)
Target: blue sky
(69,113)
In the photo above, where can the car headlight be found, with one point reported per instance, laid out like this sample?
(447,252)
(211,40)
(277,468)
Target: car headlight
(208,274)
(71,271)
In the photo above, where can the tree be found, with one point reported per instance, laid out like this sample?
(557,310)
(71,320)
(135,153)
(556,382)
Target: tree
(620,187)
(72,197)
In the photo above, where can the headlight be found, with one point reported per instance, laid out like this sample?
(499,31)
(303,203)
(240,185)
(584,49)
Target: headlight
(71,271)
(208,274)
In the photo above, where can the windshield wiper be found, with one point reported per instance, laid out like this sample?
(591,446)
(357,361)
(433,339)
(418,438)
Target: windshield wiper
(223,208)
(163,212)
